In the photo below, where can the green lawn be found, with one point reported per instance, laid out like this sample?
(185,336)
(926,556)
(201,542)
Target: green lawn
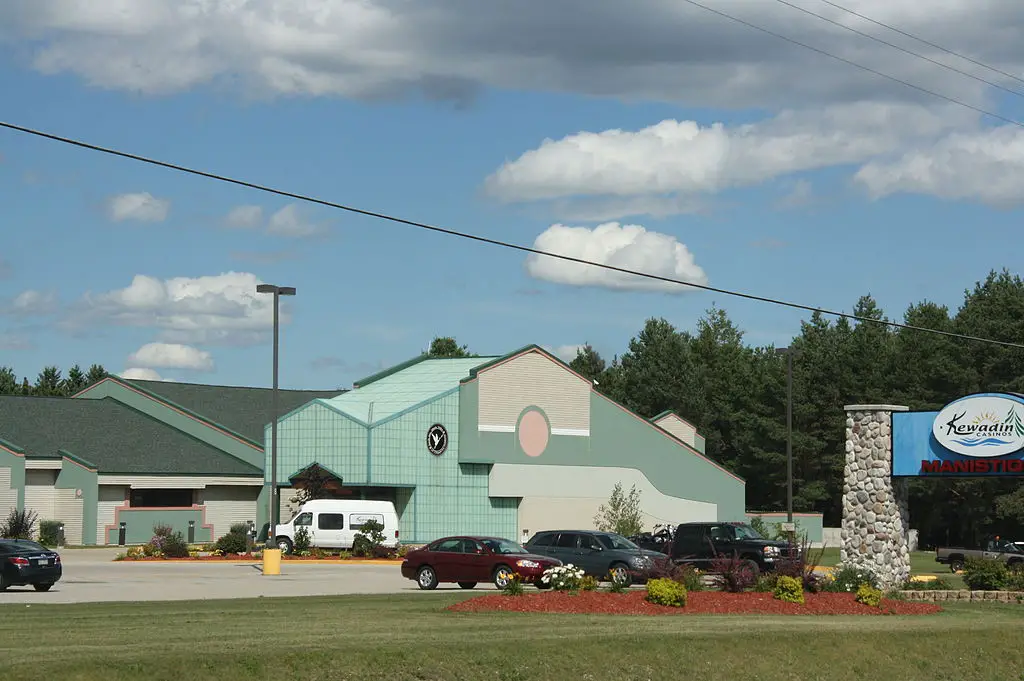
(410,637)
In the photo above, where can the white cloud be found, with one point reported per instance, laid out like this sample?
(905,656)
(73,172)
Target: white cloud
(217,309)
(684,159)
(986,165)
(171,356)
(289,222)
(141,207)
(32,303)
(566,353)
(244,217)
(650,49)
(141,374)
(626,246)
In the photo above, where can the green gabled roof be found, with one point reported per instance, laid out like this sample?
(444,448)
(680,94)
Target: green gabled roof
(113,437)
(396,391)
(243,410)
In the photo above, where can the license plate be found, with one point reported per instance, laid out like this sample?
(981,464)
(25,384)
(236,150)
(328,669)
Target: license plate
(44,561)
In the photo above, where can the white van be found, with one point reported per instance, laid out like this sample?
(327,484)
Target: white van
(333,523)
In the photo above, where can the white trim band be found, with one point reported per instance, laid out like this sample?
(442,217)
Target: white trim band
(572,432)
(495,429)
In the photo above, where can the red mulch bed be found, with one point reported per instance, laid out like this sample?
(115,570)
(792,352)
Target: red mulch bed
(698,603)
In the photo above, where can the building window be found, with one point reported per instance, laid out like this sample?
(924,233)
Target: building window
(161,498)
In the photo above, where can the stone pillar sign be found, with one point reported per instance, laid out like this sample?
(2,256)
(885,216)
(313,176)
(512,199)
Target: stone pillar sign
(876,522)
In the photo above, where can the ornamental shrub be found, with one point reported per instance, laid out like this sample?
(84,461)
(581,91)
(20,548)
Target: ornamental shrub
(232,543)
(685,574)
(765,583)
(869,595)
(736,574)
(1015,580)
(589,583)
(162,530)
(848,579)
(48,532)
(789,589)
(174,546)
(368,540)
(985,574)
(19,524)
(563,577)
(666,592)
(302,540)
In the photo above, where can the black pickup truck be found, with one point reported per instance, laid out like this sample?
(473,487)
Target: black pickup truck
(700,543)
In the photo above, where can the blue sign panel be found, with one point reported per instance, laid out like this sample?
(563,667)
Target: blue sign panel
(976,435)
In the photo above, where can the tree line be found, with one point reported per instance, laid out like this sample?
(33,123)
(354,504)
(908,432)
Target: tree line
(51,382)
(735,394)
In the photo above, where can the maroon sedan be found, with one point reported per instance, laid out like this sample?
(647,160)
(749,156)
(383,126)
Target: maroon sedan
(471,560)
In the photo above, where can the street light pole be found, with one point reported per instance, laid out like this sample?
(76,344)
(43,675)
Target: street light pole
(789,436)
(274,507)
(789,441)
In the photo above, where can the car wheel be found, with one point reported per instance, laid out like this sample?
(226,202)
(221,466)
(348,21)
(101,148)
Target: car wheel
(467,585)
(285,544)
(956,565)
(42,587)
(619,575)
(426,578)
(3,582)
(502,576)
(750,566)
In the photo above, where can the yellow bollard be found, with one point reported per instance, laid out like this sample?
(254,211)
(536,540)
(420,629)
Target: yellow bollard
(271,561)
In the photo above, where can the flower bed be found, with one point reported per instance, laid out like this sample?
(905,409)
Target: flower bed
(697,603)
(256,556)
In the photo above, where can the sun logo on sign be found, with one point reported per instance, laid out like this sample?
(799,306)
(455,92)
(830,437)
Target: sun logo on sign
(986,417)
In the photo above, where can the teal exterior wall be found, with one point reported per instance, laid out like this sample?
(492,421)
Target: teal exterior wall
(77,473)
(13,457)
(139,524)
(617,439)
(811,524)
(435,495)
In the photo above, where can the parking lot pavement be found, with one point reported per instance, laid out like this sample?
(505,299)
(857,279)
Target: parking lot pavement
(91,576)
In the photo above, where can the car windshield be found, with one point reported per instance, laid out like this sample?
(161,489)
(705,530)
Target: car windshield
(617,541)
(747,532)
(26,544)
(503,546)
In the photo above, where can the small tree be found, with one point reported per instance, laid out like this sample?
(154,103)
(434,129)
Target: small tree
(622,513)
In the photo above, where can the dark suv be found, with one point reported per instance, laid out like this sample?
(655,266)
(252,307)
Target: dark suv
(700,543)
(604,555)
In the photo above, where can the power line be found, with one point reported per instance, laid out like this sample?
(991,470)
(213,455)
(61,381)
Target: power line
(923,41)
(933,93)
(475,237)
(1018,93)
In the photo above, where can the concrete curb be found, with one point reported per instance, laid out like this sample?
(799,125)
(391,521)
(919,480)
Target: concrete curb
(325,561)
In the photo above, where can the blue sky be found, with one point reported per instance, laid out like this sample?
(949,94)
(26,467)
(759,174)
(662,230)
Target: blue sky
(859,188)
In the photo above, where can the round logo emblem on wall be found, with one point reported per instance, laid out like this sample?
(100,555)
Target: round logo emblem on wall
(437,439)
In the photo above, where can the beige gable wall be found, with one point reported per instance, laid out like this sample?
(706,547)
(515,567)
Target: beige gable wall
(533,379)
